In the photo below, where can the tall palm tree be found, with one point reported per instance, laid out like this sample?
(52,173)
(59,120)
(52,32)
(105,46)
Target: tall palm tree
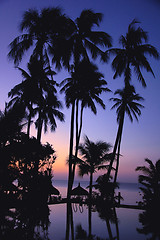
(133,54)
(76,47)
(90,85)
(87,84)
(126,104)
(94,155)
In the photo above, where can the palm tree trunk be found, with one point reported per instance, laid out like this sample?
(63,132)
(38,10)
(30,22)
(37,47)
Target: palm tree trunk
(72,225)
(29,125)
(71,152)
(39,131)
(116,223)
(118,155)
(90,221)
(78,135)
(90,185)
(29,121)
(109,229)
(68,221)
(90,206)
(119,133)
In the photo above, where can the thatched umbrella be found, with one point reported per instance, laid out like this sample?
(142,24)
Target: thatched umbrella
(79,191)
(54,191)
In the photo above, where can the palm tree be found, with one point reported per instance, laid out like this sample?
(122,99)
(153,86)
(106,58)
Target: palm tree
(150,187)
(26,92)
(126,104)
(83,39)
(48,111)
(87,84)
(133,53)
(41,29)
(76,47)
(37,93)
(150,181)
(94,155)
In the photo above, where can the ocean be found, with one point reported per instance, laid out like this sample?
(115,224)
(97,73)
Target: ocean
(127,224)
(129,191)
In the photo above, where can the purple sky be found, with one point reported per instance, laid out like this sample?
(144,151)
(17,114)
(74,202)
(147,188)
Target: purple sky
(140,140)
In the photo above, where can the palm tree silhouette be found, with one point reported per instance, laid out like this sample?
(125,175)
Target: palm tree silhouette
(76,47)
(133,53)
(42,30)
(94,155)
(84,38)
(41,98)
(48,111)
(150,181)
(126,104)
(22,95)
(83,88)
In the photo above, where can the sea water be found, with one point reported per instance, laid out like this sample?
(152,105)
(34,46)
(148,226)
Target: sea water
(129,191)
(127,218)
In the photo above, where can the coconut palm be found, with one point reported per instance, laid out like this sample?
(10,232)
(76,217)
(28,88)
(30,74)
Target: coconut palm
(83,39)
(133,54)
(40,29)
(91,84)
(126,104)
(94,155)
(48,113)
(26,92)
(76,47)
(37,93)
(86,84)
(150,181)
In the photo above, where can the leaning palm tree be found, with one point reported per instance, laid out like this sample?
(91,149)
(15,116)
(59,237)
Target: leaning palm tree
(94,157)
(133,54)
(126,104)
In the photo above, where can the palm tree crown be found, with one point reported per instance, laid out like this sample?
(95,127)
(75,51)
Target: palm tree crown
(93,155)
(133,54)
(86,84)
(127,103)
(84,38)
(41,32)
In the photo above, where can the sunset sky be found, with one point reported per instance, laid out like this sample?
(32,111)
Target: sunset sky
(140,140)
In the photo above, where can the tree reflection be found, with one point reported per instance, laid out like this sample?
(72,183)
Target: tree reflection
(26,223)
(150,220)
(106,212)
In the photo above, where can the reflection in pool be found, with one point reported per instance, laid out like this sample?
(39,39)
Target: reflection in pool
(50,222)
